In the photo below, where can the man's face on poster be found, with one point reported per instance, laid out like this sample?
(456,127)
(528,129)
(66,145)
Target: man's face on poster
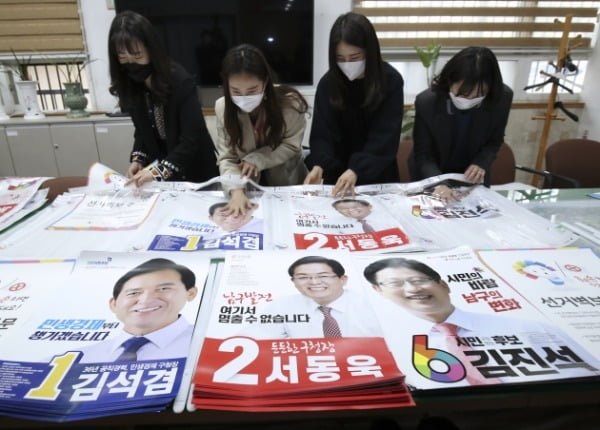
(354,209)
(151,301)
(229,221)
(319,282)
(413,290)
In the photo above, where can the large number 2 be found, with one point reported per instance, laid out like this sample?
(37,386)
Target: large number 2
(48,389)
(320,242)
(229,373)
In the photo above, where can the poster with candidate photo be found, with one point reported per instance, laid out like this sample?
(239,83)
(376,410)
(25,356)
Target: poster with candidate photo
(112,338)
(360,223)
(472,214)
(451,320)
(203,221)
(293,331)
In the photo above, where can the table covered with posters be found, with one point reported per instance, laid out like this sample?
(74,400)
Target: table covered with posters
(535,404)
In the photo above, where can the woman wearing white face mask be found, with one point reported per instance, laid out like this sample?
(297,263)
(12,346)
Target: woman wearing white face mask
(460,120)
(358,111)
(260,127)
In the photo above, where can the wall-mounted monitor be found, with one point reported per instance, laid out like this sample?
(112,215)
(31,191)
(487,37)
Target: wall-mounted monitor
(197,33)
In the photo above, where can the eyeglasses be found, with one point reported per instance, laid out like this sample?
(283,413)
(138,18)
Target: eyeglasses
(398,283)
(320,278)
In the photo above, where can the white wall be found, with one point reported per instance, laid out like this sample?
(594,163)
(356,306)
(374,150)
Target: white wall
(96,23)
(97,18)
(590,118)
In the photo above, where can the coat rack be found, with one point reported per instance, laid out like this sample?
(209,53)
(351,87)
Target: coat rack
(563,60)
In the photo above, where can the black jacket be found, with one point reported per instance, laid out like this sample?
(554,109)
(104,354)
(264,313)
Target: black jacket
(353,138)
(188,145)
(432,133)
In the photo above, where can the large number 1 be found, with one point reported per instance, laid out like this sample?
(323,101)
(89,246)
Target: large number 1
(48,389)
(229,373)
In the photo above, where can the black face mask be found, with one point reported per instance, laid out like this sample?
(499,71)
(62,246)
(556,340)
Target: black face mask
(137,72)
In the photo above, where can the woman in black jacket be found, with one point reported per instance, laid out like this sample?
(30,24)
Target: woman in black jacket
(460,120)
(171,141)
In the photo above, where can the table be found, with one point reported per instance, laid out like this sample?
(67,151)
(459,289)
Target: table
(544,406)
(570,205)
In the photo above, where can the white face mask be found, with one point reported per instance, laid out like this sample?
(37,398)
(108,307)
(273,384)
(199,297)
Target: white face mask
(352,69)
(248,103)
(462,103)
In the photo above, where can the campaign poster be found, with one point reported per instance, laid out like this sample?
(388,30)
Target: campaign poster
(451,321)
(562,283)
(357,224)
(113,338)
(292,331)
(203,221)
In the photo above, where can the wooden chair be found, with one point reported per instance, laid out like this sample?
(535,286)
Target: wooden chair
(502,170)
(404,150)
(573,159)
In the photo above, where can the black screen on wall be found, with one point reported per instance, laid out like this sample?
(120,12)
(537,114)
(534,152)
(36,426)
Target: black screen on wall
(197,33)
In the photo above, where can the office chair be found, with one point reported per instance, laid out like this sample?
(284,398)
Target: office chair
(502,170)
(573,163)
(570,163)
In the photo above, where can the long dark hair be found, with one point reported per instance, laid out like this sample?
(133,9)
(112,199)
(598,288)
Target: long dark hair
(127,29)
(269,122)
(357,30)
(477,68)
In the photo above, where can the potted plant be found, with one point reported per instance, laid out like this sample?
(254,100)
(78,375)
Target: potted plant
(428,57)
(26,87)
(74,97)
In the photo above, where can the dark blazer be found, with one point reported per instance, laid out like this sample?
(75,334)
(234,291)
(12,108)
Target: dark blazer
(432,133)
(189,145)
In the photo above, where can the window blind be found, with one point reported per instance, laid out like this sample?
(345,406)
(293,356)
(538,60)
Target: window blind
(496,24)
(40,26)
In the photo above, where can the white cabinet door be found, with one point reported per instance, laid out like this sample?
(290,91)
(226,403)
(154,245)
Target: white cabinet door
(115,141)
(6,164)
(74,147)
(31,150)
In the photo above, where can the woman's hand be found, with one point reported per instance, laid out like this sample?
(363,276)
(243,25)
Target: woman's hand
(248,170)
(238,203)
(140,178)
(445,194)
(134,167)
(345,184)
(315,176)
(475,174)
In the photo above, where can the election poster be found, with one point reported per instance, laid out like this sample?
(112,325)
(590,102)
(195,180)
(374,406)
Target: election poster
(292,331)
(451,320)
(113,338)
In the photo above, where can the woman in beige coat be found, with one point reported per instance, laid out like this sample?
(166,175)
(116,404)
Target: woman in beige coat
(260,126)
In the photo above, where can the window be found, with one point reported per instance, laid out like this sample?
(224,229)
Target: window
(497,24)
(48,31)
(523,34)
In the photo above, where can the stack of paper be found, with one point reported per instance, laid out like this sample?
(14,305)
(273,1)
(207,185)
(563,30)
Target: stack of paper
(267,349)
